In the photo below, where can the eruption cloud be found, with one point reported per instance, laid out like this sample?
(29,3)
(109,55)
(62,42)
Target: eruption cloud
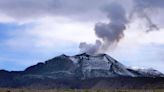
(142,7)
(90,48)
(110,33)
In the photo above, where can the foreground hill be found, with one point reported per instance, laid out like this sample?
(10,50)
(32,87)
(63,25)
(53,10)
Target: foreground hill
(82,71)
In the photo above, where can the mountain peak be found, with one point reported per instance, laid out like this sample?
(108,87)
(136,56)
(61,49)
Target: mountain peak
(63,55)
(86,54)
(87,66)
(83,54)
(79,67)
(83,66)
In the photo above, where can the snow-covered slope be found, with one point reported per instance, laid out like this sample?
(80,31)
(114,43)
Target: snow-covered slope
(100,65)
(150,72)
(82,71)
(83,66)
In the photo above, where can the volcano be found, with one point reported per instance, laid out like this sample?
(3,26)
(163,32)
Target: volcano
(82,71)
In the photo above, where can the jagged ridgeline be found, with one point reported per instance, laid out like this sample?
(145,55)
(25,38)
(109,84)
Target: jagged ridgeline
(81,71)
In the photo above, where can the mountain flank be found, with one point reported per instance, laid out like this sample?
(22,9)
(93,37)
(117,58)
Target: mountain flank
(82,71)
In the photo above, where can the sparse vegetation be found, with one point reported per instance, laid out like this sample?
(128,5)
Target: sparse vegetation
(78,90)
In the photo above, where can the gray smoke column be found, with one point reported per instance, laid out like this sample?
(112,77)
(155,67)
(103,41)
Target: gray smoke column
(90,48)
(142,9)
(143,15)
(109,33)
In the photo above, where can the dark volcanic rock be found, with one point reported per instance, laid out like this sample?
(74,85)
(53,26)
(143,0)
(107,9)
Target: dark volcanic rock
(82,71)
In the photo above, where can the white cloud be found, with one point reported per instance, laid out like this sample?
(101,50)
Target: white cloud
(51,33)
(6,19)
(43,39)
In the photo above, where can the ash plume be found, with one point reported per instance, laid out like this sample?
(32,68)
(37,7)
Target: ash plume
(90,48)
(110,33)
(142,9)
(143,15)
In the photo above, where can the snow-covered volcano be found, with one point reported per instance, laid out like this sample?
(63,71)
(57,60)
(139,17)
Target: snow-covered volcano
(83,66)
(100,65)
(82,71)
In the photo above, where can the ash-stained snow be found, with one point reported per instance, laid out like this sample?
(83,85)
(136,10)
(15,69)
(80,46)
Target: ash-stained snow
(75,60)
(102,65)
(150,72)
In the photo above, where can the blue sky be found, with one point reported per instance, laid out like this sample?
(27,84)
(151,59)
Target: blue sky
(34,31)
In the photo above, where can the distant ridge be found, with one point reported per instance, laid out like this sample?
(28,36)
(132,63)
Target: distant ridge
(74,72)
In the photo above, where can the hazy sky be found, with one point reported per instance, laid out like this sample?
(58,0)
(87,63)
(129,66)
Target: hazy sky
(32,31)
